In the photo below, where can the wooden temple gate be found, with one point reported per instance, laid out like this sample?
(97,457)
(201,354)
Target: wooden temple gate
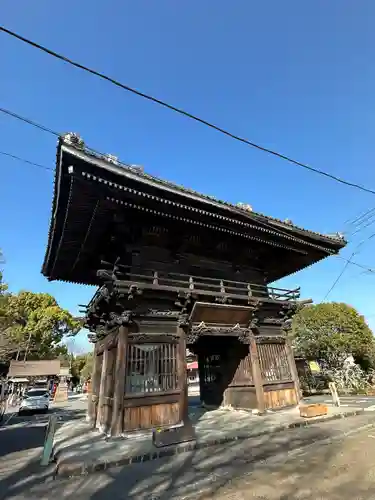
(175,269)
(140,379)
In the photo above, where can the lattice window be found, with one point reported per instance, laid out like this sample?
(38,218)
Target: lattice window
(274,363)
(243,374)
(151,368)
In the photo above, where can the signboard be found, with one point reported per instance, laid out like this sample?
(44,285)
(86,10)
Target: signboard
(314,366)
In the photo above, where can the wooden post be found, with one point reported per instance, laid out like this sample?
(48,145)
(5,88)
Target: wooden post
(119,382)
(48,441)
(257,374)
(293,369)
(335,396)
(108,390)
(182,376)
(102,394)
(92,406)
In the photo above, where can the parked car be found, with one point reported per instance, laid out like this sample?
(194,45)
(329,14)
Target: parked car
(34,400)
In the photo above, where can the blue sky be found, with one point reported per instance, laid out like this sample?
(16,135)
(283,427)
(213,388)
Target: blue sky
(294,76)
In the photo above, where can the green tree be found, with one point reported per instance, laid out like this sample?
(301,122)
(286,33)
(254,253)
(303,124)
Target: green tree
(86,370)
(77,364)
(7,344)
(36,324)
(325,330)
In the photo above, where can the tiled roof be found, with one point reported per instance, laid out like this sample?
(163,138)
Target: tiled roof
(273,222)
(34,368)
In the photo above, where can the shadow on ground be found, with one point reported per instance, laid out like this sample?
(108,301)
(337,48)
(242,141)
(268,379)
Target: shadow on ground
(201,473)
(15,439)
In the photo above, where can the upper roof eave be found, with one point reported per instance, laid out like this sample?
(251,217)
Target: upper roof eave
(126,171)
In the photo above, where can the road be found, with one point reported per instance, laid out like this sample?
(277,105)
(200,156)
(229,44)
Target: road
(22,439)
(299,463)
(331,460)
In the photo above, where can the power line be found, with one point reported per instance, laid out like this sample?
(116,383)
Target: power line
(46,129)
(26,161)
(27,120)
(361,266)
(255,216)
(183,112)
(338,277)
(349,261)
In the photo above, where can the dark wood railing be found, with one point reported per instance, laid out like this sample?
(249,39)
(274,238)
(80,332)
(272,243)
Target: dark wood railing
(204,285)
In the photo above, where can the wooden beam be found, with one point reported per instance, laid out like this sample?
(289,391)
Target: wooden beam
(92,405)
(108,342)
(102,388)
(293,368)
(257,374)
(182,376)
(109,390)
(119,382)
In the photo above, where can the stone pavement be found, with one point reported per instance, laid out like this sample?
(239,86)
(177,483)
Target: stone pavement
(343,470)
(79,450)
(210,473)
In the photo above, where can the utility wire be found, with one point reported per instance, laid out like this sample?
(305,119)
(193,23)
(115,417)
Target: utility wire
(361,266)
(26,161)
(27,120)
(255,216)
(182,111)
(46,129)
(339,276)
(349,261)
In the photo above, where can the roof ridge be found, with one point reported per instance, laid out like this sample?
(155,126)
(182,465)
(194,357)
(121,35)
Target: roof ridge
(77,143)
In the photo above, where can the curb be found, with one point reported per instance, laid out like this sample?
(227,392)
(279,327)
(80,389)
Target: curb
(81,468)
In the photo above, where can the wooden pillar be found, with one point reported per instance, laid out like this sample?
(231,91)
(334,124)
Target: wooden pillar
(108,390)
(102,388)
(200,359)
(92,405)
(293,368)
(182,376)
(119,382)
(257,374)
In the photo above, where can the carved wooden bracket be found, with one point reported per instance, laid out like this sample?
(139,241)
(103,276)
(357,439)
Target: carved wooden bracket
(120,319)
(144,338)
(245,336)
(185,302)
(254,320)
(183,320)
(192,337)
(287,312)
(270,339)
(273,321)
(198,330)
(155,313)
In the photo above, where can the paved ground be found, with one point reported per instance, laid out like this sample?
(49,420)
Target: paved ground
(367,402)
(333,460)
(22,439)
(309,463)
(344,470)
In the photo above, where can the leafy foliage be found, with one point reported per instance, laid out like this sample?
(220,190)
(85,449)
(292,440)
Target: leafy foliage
(87,367)
(37,324)
(329,330)
(33,325)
